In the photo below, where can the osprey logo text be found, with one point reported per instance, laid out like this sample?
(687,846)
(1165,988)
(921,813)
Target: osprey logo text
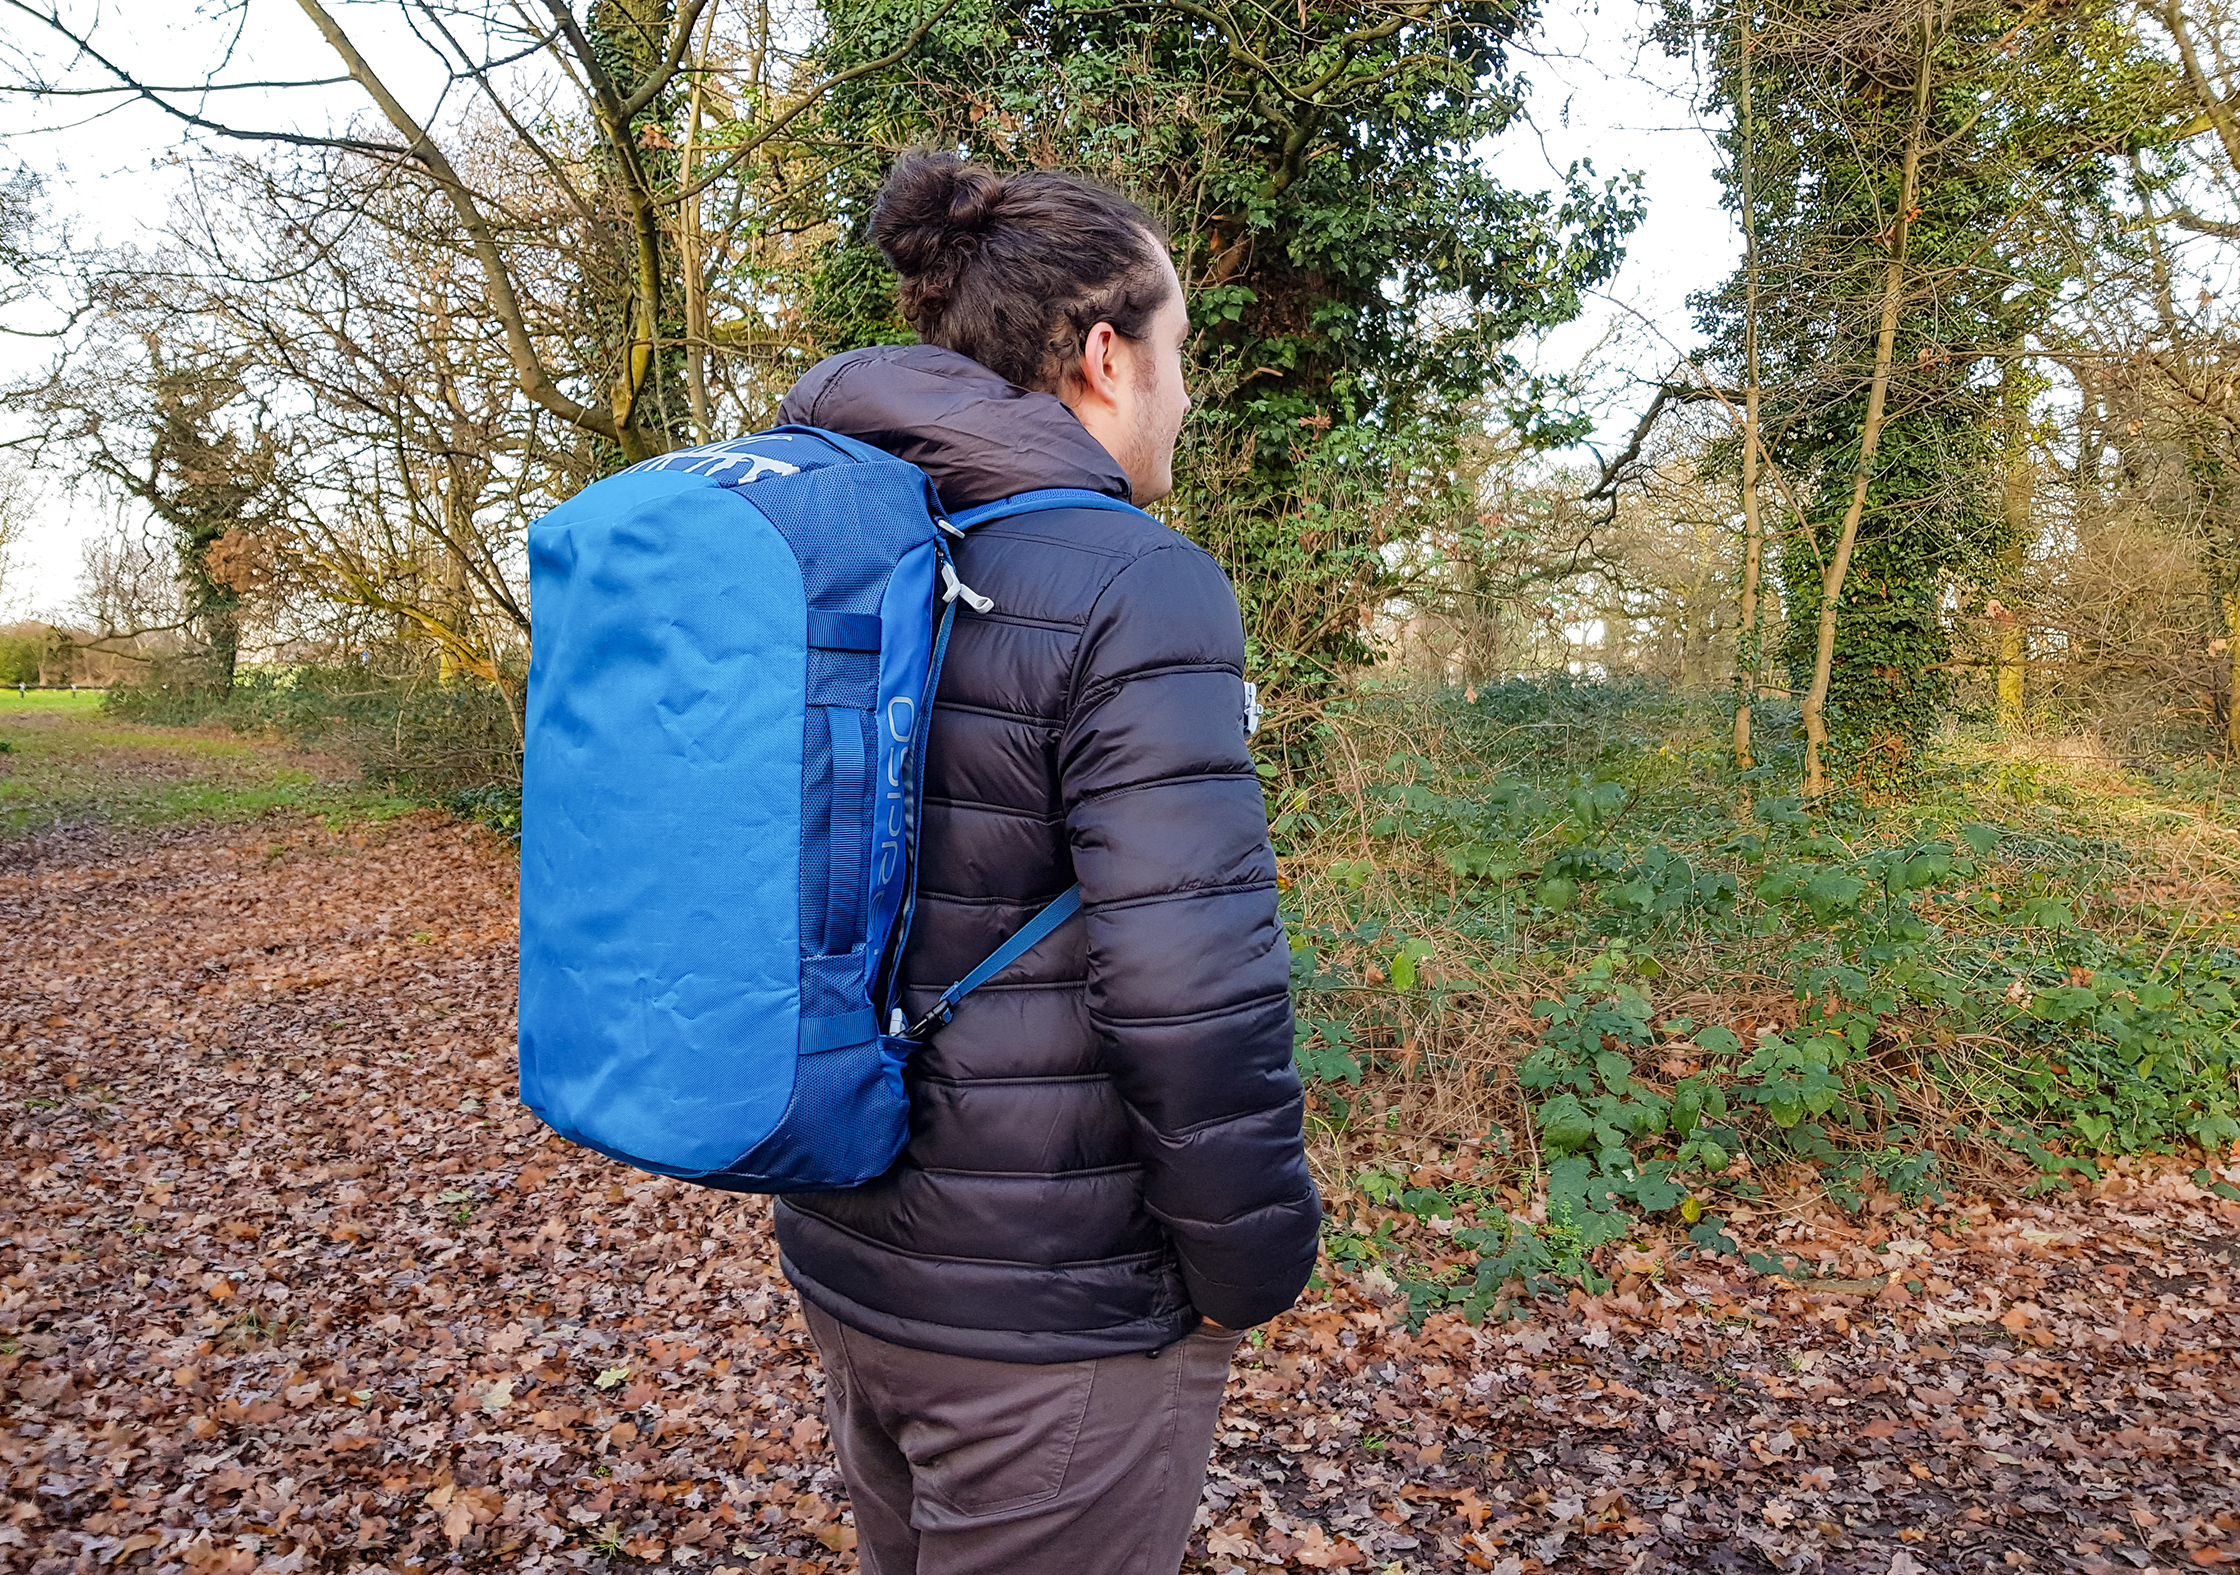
(901,716)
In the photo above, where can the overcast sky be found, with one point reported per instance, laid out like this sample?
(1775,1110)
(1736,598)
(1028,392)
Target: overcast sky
(1600,93)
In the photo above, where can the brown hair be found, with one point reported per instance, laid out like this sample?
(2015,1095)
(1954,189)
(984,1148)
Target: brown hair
(1015,270)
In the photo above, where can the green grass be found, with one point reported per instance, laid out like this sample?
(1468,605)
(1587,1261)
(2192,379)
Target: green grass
(49,702)
(63,760)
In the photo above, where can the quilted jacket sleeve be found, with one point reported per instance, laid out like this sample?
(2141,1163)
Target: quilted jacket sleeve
(1189,971)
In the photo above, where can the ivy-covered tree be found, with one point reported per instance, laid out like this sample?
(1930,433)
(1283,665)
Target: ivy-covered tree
(1914,165)
(191,444)
(1357,277)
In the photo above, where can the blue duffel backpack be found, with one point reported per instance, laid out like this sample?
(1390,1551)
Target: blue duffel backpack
(733,661)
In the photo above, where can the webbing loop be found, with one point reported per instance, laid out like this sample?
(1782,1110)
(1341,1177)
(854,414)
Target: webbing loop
(843,906)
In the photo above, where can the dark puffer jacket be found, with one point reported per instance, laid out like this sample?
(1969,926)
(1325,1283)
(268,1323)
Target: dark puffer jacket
(1105,1142)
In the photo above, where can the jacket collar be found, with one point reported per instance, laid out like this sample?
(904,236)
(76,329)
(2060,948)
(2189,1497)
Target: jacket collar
(978,436)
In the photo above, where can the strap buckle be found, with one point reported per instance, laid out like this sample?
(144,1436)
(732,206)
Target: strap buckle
(937,1017)
(1054,913)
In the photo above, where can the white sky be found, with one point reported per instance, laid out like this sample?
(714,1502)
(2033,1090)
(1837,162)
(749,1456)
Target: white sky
(1603,94)
(1600,93)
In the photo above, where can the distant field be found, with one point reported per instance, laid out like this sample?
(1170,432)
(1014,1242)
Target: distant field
(48,702)
(62,760)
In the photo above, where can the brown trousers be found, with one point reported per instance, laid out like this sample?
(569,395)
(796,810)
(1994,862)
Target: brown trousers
(958,1466)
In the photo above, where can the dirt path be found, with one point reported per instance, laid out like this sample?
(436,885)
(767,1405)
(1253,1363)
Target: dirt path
(288,1282)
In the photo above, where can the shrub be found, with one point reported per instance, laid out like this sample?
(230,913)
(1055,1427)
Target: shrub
(1641,989)
(399,725)
(19,656)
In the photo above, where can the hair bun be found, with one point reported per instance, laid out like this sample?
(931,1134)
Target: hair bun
(1015,270)
(931,213)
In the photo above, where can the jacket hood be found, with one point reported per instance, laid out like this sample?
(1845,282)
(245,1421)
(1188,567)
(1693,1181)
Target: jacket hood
(979,436)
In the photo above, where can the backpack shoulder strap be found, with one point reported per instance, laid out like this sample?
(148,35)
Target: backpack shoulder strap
(1067,903)
(1059,909)
(1039,500)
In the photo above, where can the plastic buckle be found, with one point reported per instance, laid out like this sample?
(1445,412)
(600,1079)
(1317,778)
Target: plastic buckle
(938,1017)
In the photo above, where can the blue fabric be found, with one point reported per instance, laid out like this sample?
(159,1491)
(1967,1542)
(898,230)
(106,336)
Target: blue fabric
(843,911)
(848,525)
(832,986)
(848,1120)
(905,699)
(816,823)
(906,679)
(819,1034)
(839,631)
(1035,502)
(660,975)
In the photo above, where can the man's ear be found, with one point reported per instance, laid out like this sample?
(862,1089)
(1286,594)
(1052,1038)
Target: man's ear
(1101,373)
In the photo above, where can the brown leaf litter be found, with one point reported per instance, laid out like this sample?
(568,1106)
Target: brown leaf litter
(289,1282)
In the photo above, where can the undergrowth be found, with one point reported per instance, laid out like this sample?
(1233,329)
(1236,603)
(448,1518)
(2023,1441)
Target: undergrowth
(1554,954)
(400,723)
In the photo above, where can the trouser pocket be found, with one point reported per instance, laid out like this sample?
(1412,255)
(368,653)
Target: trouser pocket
(982,1447)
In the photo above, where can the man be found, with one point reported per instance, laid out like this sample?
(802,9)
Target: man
(1026,1324)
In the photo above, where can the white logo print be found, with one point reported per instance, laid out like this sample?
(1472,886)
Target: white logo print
(714,458)
(764,465)
(901,716)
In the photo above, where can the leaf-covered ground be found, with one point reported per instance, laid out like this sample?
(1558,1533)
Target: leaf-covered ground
(289,1282)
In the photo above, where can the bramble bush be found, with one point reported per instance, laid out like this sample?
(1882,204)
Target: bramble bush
(1719,992)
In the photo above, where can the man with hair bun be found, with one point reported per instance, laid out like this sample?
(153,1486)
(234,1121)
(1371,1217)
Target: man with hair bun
(1027,1322)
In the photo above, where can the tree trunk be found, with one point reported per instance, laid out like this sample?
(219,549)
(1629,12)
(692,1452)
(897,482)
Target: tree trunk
(458,613)
(2230,603)
(1814,710)
(1747,654)
(691,252)
(221,626)
(2012,643)
(2213,104)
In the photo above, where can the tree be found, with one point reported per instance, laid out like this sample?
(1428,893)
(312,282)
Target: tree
(1356,277)
(15,510)
(1899,229)
(589,105)
(22,248)
(176,429)
(1914,164)
(454,319)
(1750,643)
(2177,383)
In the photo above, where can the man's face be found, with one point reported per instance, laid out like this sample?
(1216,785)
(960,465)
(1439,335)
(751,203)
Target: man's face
(1151,397)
